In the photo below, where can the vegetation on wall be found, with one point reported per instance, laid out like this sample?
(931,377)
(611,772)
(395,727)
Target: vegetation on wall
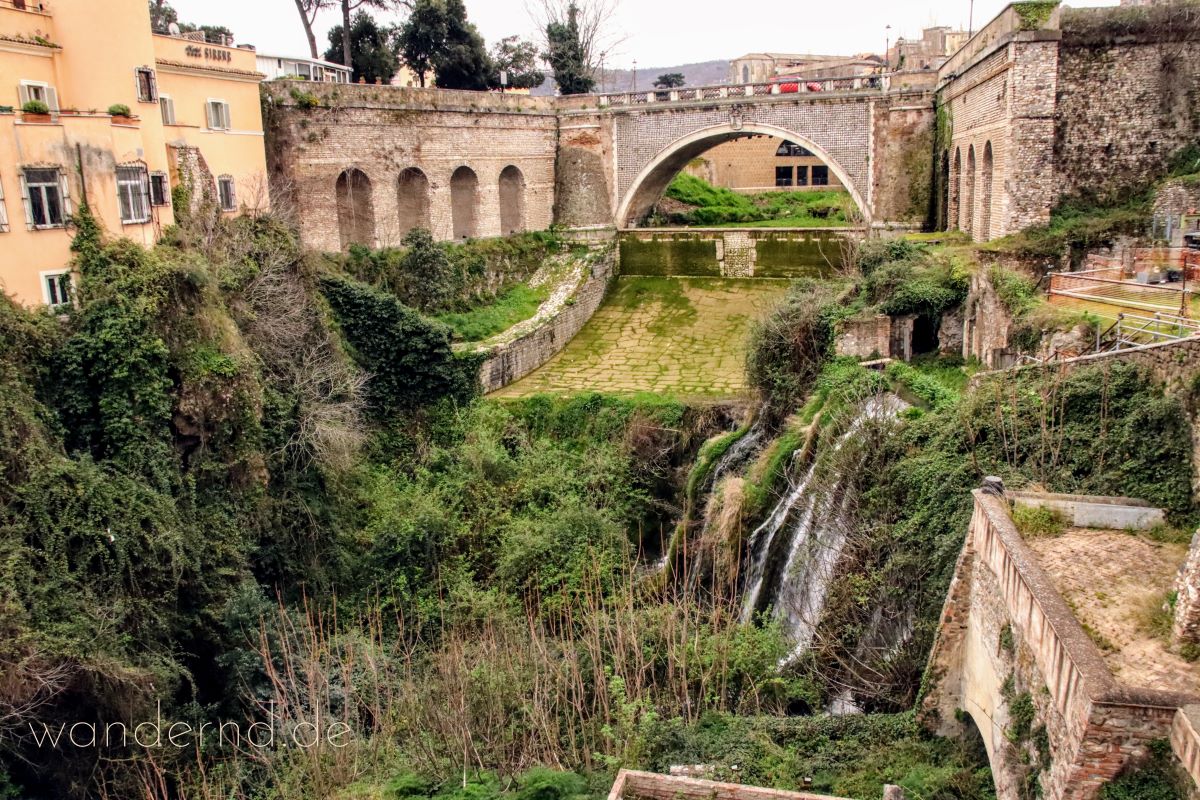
(697,202)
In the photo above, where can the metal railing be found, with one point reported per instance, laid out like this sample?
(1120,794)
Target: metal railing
(1136,330)
(861,83)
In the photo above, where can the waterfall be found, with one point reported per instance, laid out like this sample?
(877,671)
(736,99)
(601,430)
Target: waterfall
(810,526)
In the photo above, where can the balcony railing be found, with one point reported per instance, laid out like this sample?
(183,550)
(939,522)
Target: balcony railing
(36,6)
(860,84)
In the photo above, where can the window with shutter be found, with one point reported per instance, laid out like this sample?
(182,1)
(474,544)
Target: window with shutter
(226,194)
(40,92)
(133,194)
(218,115)
(45,196)
(3,210)
(168,109)
(147,88)
(159,194)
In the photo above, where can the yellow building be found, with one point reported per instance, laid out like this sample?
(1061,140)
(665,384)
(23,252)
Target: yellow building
(195,121)
(761,164)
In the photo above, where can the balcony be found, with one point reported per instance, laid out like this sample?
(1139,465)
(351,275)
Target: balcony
(31,6)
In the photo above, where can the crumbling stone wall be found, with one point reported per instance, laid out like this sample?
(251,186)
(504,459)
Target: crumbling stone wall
(1127,99)
(189,169)
(1187,603)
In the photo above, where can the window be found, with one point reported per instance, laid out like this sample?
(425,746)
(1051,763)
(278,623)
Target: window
(38,91)
(226,194)
(3,211)
(792,149)
(304,70)
(167,105)
(783,176)
(56,288)
(147,86)
(46,203)
(159,193)
(218,115)
(133,194)
(820,176)
(802,176)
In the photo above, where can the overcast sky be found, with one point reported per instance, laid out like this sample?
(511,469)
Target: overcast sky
(656,32)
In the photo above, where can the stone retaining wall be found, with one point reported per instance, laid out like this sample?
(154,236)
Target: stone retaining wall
(633,785)
(515,359)
(733,252)
(1005,630)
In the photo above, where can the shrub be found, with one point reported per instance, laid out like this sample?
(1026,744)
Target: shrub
(874,253)
(1039,521)
(408,356)
(35,107)
(789,347)
(119,110)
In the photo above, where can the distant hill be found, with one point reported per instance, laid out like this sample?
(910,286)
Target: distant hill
(705,73)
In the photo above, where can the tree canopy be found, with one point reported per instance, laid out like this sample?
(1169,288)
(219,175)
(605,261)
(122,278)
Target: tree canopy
(566,55)
(373,49)
(519,59)
(670,80)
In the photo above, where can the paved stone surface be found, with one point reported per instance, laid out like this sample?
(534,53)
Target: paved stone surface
(681,336)
(1112,579)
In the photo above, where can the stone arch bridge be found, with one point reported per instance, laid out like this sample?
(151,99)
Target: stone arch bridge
(365,164)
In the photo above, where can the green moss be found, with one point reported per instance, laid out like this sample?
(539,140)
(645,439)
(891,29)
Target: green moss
(1035,14)
(673,256)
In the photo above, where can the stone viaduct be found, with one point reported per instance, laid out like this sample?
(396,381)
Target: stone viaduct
(1043,103)
(365,163)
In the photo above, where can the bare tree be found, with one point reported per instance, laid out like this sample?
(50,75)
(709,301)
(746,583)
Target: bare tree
(308,10)
(594,19)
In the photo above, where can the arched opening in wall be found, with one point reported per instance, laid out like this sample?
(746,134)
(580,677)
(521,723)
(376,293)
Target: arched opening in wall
(512,200)
(753,175)
(956,191)
(355,209)
(412,200)
(985,201)
(464,200)
(925,332)
(745,73)
(968,206)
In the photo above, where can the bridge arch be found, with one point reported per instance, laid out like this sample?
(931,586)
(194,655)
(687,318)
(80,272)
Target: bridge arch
(654,178)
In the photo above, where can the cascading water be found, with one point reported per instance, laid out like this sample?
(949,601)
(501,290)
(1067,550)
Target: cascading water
(807,531)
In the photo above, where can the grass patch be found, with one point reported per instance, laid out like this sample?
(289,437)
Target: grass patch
(1039,522)
(719,207)
(514,305)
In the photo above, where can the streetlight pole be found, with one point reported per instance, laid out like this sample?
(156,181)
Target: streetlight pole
(887,49)
(635,75)
(971,21)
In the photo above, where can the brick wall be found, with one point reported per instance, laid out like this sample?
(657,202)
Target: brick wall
(1187,604)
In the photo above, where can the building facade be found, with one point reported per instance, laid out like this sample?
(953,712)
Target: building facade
(299,68)
(96,108)
(763,164)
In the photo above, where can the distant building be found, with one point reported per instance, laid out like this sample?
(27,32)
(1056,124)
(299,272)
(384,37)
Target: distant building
(929,52)
(768,67)
(309,69)
(763,164)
